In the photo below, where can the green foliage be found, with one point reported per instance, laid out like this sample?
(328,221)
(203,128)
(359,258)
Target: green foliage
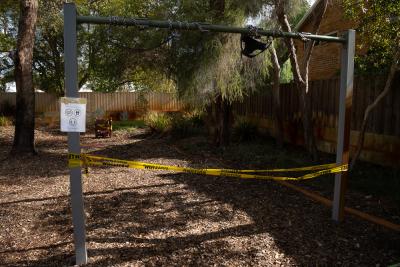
(296,11)
(9,12)
(5,121)
(245,130)
(158,122)
(379,32)
(177,124)
(128,125)
(186,124)
(125,58)
(109,58)
(48,64)
(208,64)
(286,72)
(196,118)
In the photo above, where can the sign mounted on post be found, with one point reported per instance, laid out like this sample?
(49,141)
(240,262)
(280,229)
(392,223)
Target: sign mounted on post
(73,114)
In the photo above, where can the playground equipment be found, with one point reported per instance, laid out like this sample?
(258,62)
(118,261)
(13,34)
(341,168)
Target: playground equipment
(71,77)
(103,128)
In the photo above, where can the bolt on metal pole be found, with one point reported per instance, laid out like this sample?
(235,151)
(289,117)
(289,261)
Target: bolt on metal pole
(71,87)
(343,139)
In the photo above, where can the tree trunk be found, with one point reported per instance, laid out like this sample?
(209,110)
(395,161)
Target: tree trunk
(388,85)
(276,74)
(219,121)
(308,126)
(25,99)
(300,72)
(221,111)
(226,122)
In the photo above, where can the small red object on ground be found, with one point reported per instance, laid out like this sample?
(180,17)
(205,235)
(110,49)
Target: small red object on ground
(103,128)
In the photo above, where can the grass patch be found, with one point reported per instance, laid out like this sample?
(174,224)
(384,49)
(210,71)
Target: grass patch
(158,122)
(5,121)
(174,124)
(128,125)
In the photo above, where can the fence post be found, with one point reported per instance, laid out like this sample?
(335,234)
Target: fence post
(71,87)
(343,139)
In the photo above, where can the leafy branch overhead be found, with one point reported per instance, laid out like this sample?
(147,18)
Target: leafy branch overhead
(117,58)
(378,31)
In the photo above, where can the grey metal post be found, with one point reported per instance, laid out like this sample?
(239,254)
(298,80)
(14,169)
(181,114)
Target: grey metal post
(343,139)
(71,87)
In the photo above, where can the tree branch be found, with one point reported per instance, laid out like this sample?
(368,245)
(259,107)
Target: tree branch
(314,29)
(276,74)
(282,18)
(388,85)
(83,80)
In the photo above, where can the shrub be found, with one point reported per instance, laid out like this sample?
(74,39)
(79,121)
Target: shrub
(196,118)
(158,122)
(7,108)
(4,121)
(245,130)
(181,127)
(187,124)
(128,125)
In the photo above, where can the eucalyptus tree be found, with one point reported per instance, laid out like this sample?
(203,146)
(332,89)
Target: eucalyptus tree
(25,98)
(280,67)
(130,58)
(113,58)
(109,58)
(300,68)
(208,67)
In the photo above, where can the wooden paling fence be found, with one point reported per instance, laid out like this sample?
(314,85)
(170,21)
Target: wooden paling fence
(382,143)
(385,119)
(108,102)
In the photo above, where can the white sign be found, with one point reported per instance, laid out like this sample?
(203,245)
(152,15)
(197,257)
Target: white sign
(73,114)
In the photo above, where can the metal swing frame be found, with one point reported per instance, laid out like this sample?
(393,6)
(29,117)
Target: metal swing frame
(71,20)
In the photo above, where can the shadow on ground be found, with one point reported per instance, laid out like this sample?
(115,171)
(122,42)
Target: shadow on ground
(149,224)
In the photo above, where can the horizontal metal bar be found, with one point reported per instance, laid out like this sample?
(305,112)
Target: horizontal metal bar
(193,26)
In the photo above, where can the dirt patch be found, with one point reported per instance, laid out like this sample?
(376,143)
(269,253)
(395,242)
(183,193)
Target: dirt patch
(137,217)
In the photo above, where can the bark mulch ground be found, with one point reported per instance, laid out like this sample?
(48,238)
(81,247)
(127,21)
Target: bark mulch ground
(155,218)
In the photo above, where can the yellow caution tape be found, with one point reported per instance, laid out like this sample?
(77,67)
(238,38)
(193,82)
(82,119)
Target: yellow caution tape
(85,160)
